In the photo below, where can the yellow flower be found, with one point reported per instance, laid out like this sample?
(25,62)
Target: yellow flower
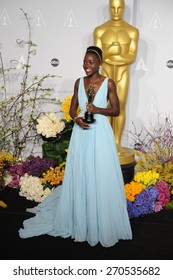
(66,108)
(5,159)
(147,178)
(54,176)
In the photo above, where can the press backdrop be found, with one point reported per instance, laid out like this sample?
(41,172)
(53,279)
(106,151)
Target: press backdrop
(63,30)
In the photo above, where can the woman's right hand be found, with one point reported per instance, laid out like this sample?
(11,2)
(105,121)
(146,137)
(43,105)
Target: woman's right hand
(81,123)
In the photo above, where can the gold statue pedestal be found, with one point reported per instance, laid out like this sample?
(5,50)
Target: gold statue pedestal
(127,162)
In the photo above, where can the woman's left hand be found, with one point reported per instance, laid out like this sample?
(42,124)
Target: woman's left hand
(91,108)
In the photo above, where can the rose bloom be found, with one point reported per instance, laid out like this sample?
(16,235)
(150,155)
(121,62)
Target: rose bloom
(163,198)
(162,186)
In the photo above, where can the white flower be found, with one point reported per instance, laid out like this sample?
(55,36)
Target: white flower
(32,189)
(7,178)
(49,125)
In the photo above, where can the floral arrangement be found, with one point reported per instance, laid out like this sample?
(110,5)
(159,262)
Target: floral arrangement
(39,171)
(150,190)
(154,161)
(37,177)
(154,147)
(146,194)
(53,128)
(40,178)
(56,143)
(37,189)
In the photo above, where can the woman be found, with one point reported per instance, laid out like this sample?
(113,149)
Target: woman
(91,204)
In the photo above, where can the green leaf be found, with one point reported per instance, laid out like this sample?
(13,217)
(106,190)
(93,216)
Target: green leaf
(55,151)
(169,205)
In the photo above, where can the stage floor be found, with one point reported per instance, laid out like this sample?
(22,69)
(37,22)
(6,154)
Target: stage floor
(152,238)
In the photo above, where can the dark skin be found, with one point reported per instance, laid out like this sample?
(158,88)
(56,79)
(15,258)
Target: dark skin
(91,65)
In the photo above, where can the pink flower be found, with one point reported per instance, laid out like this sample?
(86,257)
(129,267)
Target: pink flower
(162,185)
(17,169)
(157,206)
(161,196)
(15,181)
(164,192)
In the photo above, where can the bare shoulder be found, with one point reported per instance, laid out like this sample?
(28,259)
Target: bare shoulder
(77,83)
(111,83)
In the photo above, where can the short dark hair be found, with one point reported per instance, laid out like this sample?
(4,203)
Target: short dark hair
(95,50)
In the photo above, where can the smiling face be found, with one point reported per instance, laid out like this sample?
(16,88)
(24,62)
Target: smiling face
(116,9)
(91,63)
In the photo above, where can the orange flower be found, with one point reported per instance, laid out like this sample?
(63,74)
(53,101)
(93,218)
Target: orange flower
(133,188)
(54,176)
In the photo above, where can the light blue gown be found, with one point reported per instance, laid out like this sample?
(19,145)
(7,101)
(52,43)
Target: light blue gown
(91,204)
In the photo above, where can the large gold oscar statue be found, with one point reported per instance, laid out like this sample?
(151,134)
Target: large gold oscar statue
(119,42)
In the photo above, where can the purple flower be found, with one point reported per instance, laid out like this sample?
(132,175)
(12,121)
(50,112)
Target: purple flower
(16,171)
(37,166)
(143,203)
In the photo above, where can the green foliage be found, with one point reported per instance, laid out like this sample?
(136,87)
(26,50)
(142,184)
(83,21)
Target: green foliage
(56,148)
(55,151)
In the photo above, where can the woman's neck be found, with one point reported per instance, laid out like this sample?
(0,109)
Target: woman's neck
(94,77)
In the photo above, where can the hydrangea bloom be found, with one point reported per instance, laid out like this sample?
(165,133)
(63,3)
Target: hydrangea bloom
(49,125)
(143,203)
(37,166)
(32,189)
(150,199)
